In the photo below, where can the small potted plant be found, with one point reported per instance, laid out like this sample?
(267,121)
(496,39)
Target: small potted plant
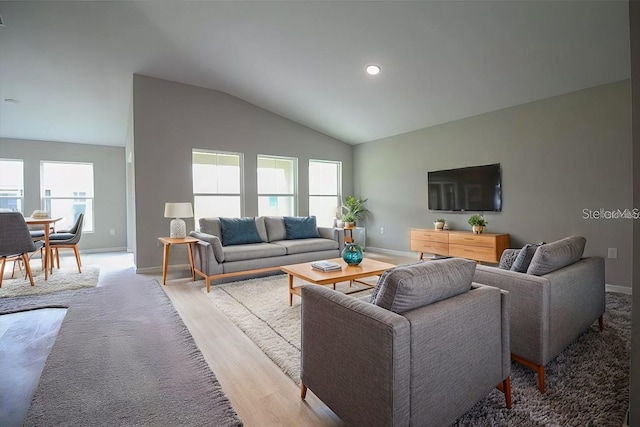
(349,220)
(353,210)
(477,223)
(439,224)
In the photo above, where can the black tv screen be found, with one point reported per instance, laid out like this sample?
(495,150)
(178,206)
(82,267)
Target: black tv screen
(475,188)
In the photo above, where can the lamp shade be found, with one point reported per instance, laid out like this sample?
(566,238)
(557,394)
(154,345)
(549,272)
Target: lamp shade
(178,210)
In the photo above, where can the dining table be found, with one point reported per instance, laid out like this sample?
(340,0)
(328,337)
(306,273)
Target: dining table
(47,223)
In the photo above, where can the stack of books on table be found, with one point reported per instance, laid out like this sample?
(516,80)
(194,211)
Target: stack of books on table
(326,266)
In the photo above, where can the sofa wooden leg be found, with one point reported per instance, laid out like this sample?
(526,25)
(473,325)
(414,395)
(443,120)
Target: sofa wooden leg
(505,387)
(303,391)
(601,322)
(539,370)
(541,378)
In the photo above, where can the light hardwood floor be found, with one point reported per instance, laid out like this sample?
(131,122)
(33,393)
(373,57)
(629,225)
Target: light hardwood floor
(259,391)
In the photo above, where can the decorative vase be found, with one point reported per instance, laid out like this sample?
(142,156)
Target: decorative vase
(352,254)
(439,225)
(477,229)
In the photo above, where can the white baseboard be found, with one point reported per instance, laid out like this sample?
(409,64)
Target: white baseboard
(618,289)
(99,250)
(392,252)
(158,269)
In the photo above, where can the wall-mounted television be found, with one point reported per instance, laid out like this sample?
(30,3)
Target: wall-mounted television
(474,188)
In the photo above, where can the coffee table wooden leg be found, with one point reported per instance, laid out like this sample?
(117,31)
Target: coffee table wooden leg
(290,290)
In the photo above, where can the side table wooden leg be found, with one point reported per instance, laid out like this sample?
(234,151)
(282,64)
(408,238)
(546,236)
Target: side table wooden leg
(165,262)
(193,270)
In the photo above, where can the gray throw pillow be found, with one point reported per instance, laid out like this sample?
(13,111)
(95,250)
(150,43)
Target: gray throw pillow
(553,256)
(408,287)
(262,229)
(522,261)
(507,258)
(211,226)
(275,228)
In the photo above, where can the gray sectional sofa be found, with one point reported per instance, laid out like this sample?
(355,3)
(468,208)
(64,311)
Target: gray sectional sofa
(231,247)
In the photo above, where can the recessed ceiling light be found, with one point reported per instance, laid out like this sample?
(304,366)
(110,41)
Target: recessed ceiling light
(11,100)
(373,70)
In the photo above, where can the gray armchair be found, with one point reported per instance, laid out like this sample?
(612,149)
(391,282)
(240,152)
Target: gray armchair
(558,298)
(423,353)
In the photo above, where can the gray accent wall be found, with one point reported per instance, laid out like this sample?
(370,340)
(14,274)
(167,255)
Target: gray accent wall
(559,156)
(109,184)
(171,119)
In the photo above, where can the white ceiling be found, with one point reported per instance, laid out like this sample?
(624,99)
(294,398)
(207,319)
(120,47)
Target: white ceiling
(71,63)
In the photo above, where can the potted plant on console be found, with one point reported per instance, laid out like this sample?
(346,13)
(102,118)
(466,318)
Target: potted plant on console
(477,223)
(439,224)
(353,210)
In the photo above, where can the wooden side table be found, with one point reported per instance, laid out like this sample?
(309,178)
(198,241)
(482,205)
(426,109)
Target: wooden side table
(348,234)
(167,242)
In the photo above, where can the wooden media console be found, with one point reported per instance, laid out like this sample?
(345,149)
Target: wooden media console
(485,247)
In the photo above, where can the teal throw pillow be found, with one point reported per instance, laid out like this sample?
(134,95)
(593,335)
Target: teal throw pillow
(301,227)
(239,231)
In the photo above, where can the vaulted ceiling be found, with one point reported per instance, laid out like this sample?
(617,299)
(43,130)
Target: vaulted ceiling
(70,64)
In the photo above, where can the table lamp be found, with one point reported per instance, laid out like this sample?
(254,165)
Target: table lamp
(177,211)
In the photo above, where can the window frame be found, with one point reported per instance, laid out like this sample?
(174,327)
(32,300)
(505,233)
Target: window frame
(338,195)
(88,225)
(293,195)
(20,198)
(240,195)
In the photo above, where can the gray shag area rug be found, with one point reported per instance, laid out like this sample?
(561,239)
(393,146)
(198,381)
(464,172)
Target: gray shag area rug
(123,357)
(64,279)
(586,385)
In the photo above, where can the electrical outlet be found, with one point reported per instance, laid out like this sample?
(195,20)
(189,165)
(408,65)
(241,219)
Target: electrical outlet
(613,253)
(381,230)
(112,232)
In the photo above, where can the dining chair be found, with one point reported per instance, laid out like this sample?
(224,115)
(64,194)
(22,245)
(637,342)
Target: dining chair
(15,242)
(67,239)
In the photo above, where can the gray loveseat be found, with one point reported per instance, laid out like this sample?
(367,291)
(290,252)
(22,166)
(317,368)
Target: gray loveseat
(231,247)
(554,298)
(423,352)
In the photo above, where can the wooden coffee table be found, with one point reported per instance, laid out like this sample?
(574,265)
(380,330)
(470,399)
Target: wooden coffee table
(304,271)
